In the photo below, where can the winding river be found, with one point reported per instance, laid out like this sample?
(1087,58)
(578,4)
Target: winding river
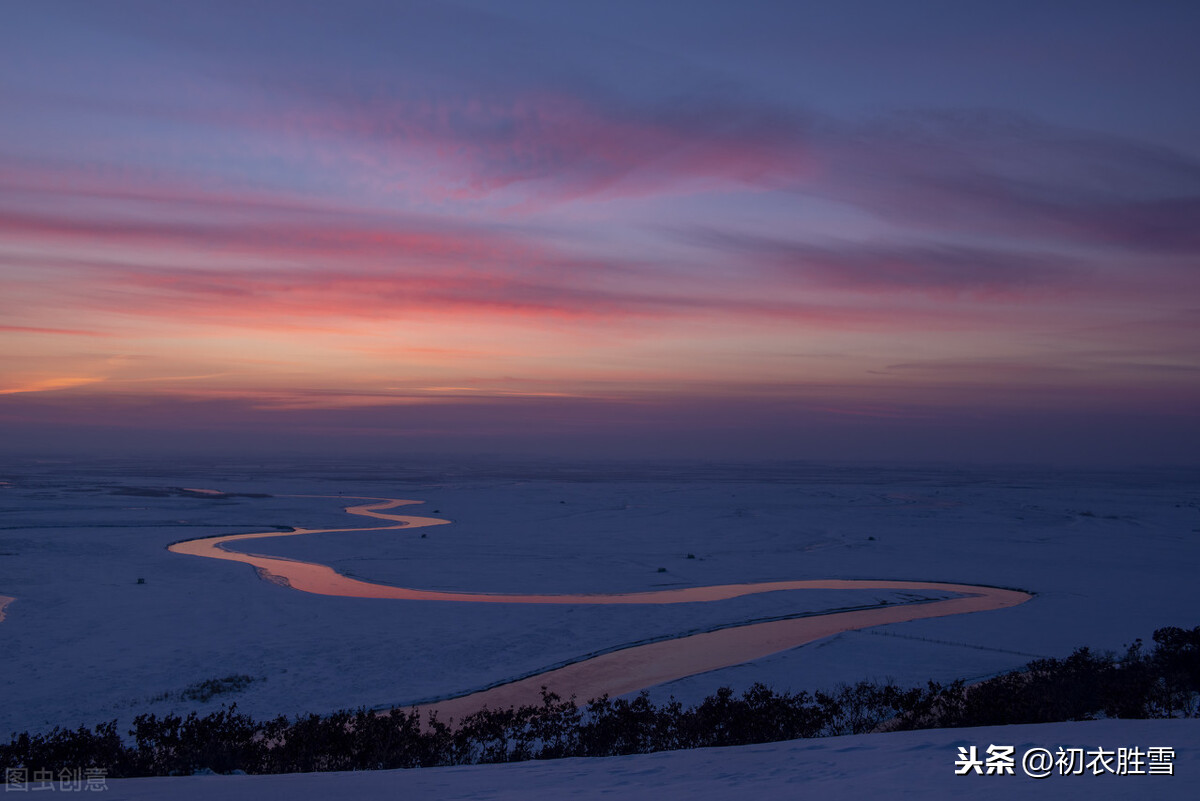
(627,669)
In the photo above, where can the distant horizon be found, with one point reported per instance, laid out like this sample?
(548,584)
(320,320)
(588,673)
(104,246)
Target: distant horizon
(664,434)
(534,466)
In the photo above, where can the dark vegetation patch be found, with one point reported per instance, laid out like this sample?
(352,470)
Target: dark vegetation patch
(1161,682)
(180,492)
(207,690)
(203,691)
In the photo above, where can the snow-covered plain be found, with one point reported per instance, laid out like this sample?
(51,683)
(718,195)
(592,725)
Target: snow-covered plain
(916,765)
(1109,557)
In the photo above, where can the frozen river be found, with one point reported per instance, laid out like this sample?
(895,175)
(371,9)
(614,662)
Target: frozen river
(630,668)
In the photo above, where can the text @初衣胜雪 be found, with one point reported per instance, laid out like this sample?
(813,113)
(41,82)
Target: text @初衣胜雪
(1041,763)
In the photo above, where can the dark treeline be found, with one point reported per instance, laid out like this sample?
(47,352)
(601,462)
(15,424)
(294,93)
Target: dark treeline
(1163,681)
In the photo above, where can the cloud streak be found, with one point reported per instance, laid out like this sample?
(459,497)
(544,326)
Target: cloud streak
(935,269)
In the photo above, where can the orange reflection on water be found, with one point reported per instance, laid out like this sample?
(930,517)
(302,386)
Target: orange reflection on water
(314,578)
(636,668)
(629,669)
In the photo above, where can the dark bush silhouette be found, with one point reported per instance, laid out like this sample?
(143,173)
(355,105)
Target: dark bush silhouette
(1163,682)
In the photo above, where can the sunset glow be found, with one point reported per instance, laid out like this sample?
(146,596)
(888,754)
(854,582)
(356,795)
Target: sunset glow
(471,227)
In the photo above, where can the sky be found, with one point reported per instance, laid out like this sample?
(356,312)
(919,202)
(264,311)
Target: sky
(862,230)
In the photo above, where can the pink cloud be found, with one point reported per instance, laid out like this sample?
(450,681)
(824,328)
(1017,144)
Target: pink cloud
(307,272)
(548,144)
(26,329)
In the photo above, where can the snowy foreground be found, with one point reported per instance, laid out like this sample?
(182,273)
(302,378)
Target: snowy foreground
(917,765)
(107,624)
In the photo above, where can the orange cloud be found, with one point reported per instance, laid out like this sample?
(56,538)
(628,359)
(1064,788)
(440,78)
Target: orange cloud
(49,385)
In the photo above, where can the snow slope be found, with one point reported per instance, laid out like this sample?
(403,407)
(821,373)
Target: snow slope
(916,765)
